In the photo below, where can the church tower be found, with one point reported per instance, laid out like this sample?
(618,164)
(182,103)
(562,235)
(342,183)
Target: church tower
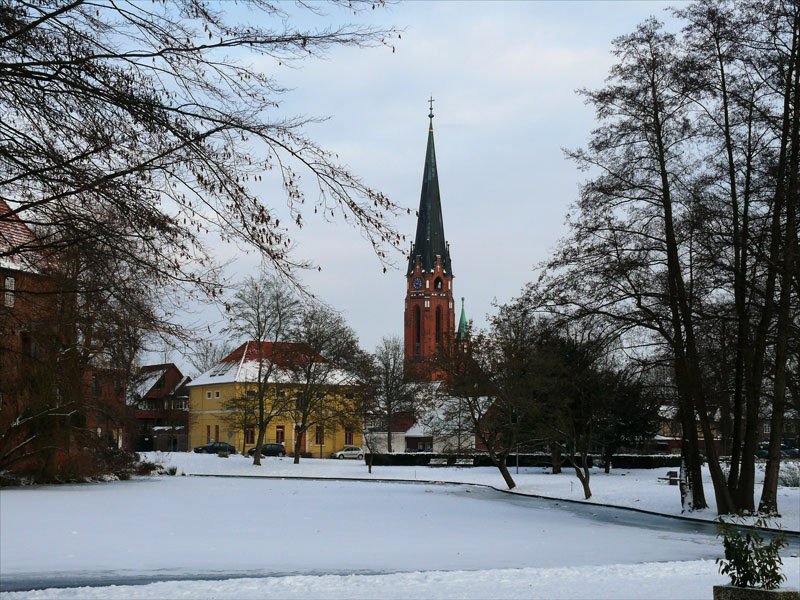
(429,312)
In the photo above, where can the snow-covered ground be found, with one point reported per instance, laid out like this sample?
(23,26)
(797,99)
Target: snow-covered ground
(666,580)
(201,537)
(636,488)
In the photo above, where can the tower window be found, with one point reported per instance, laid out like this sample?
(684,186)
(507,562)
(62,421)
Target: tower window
(438,325)
(437,284)
(417,329)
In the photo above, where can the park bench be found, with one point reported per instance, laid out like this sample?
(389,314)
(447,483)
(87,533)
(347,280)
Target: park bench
(672,477)
(437,462)
(465,462)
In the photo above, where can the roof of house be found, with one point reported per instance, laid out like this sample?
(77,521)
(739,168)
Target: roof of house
(149,376)
(242,365)
(18,244)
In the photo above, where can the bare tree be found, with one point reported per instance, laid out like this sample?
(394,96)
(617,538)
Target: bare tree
(140,112)
(688,224)
(395,394)
(207,354)
(263,312)
(321,361)
(241,414)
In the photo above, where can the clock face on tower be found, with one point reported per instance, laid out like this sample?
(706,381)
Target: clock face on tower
(417,283)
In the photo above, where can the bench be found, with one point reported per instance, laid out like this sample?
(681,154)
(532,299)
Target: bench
(465,462)
(672,477)
(437,462)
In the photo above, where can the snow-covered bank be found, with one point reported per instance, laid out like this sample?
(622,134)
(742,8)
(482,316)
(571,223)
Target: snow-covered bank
(635,488)
(667,580)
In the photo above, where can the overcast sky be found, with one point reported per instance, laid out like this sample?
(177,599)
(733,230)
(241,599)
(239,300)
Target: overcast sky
(504,77)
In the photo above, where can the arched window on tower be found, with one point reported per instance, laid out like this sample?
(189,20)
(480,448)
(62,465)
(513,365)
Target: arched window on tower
(417,329)
(438,325)
(437,285)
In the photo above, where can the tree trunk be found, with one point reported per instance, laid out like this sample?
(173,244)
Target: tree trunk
(298,438)
(555,457)
(607,454)
(369,462)
(769,492)
(582,472)
(500,463)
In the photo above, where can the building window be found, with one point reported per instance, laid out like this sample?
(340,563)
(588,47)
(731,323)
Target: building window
(767,427)
(280,434)
(437,284)
(348,436)
(280,394)
(249,436)
(319,437)
(438,325)
(250,393)
(208,434)
(216,394)
(216,433)
(417,329)
(427,284)
(208,395)
(8,298)
(95,385)
(349,396)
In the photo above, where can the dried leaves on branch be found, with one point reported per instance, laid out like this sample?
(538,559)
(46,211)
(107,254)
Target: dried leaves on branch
(165,118)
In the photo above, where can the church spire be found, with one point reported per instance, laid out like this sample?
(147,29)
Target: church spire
(463,324)
(430,241)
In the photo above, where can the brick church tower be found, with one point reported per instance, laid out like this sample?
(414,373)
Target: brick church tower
(429,312)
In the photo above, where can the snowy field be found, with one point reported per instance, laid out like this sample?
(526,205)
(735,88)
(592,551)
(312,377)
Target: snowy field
(214,537)
(636,488)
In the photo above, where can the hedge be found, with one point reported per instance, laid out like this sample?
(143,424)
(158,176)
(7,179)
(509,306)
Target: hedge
(622,461)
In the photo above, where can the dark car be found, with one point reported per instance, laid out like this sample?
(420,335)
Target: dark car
(215,447)
(786,451)
(269,450)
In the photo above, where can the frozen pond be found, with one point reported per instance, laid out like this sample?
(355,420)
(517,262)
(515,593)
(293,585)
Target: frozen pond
(191,527)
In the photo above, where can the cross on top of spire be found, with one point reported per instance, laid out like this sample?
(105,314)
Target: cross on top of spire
(430,114)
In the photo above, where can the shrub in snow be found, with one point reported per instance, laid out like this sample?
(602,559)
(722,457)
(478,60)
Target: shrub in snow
(789,475)
(749,560)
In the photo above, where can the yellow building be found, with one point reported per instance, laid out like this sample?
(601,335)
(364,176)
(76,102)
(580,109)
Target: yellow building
(333,422)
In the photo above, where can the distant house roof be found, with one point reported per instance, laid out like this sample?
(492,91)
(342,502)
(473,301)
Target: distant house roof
(241,365)
(149,376)
(18,244)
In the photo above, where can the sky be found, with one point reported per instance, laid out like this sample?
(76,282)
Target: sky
(504,78)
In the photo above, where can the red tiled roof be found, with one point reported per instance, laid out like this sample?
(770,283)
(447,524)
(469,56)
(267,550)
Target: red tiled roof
(13,232)
(279,352)
(16,240)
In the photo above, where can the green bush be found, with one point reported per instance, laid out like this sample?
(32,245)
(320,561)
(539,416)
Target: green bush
(749,560)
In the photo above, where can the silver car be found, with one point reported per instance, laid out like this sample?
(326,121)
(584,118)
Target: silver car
(349,452)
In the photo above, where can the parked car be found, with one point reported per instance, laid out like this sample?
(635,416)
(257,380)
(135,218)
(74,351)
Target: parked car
(786,451)
(215,447)
(349,452)
(269,450)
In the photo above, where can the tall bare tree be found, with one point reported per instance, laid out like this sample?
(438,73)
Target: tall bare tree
(395,394)
(687,227)
(322,360)
(263,313)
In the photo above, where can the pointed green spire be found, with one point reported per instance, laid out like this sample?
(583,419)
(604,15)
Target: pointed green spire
(463,324)
(430,241)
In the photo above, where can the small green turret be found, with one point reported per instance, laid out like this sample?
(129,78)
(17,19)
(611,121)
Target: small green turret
(463,324)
